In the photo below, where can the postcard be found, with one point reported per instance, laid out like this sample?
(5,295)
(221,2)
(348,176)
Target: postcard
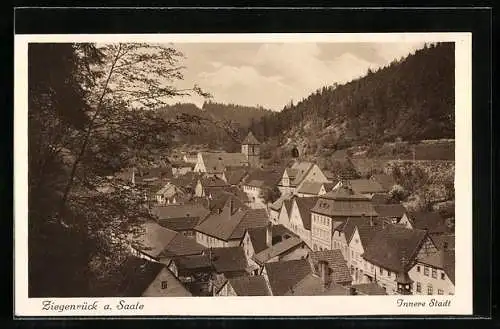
(243,174)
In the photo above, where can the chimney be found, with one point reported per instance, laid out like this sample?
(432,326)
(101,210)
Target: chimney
(323,272)
(133,176)
(352,291)
(269,235)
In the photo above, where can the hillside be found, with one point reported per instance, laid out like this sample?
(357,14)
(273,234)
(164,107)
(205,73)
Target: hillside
(221,126)
(411,99)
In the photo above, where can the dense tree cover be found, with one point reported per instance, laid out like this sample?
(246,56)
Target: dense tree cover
(411,99)
(223,125)
(91,110)
(270,194)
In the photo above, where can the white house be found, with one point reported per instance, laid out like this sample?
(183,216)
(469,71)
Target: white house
(434,274)
(300,218)
(300,172)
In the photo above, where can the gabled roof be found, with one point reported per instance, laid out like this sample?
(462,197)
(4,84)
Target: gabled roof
(386,181)
(311,285)
(137,277)
(227,226)
(301,169)
(188,180)
(229,259)
(288,206)
(389,245)
(427,220)
(364,186)
(180,211)
(276,205)
(380,198)
(277,249)
(291,173)
(305,205)
(250,286)
(390,210)
(250,139)
(283,276)
(157,241)
(310,188)
(344,202)
(263,178)
(215,162)
(444,241)
(336,263)
(234,176)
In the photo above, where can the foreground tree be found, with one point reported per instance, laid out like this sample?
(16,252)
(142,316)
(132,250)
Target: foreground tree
(91,110)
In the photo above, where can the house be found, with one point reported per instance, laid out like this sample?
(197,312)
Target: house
(393,250)
(245,286)
(334,208)
(205,274)
(366,187)
(181,218)
(215,163)
(275,207)
(338,271)
(157,243)
(226,227)
(312,189)
(283,276)
(386,181)
(285,212)
(206,185)
(190,158)
(392,212)
(434,274)
(300,218)
(300,172)
(170,194)
(186,182)
(180,168)
(288,249)
(257,181)
(139,277)
(380,198)
(425,220)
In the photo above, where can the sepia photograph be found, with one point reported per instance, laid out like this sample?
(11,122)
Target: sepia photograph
(206,168)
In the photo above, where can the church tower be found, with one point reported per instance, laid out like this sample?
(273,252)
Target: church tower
(250,147)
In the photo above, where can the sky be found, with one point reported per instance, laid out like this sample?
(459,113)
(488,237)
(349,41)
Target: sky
(273,74)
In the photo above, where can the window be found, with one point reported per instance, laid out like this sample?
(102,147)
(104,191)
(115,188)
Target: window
(429,289)
(443,276)
(381,271)
(419,287)
(164,284)
(434,273)
(440,292)
(389,273)
(352,253)
(418,268)
(426,271)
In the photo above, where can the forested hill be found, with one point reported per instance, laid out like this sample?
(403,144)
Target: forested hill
(412,98)
(222,124)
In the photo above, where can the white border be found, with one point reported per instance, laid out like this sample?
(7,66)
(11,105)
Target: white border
(461,302)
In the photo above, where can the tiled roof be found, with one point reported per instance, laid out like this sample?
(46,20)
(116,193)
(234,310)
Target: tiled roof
(386,181)
(234,176)
(277,249)
(250,286)
(226,226)
(216,162)
(336,262)
(250,139)
(258,236)
(180,224)
(157,241)
(283,276)
(311,285)
(180,211)
(343,202)
(369,289)
(310,188)
(229,259)
(389,245)
(363,186)
(263,177)
(390,210)
(444,241)
(380,198)
(276,205)
(305,205)
(188,180)
(302,169)
(430,221)
(288,206)
(291,173)
(137,277)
